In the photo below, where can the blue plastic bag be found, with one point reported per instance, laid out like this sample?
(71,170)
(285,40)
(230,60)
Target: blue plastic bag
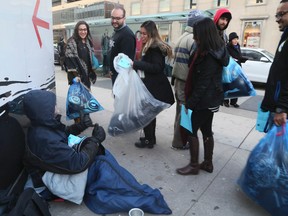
(235,82)
(79,101)
(95,62)
(262,122)
(265,177)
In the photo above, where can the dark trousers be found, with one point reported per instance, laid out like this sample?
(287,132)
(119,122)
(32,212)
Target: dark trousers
(149,131)
(202,119)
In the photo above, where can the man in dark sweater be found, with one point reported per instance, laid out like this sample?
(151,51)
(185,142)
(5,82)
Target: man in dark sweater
(276,91)
(123,39)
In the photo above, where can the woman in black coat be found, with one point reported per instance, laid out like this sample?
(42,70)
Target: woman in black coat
(204,92)
(154,51)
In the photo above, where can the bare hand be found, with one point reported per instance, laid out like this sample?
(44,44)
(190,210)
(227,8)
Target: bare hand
(280,118)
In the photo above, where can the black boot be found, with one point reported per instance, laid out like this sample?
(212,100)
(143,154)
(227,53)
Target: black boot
(144,143)
(207,164)
(193,167)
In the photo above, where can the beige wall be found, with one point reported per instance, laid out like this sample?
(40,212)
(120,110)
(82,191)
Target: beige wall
(241,12)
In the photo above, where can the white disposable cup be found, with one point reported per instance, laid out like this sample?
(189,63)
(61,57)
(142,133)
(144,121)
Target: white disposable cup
(136,212)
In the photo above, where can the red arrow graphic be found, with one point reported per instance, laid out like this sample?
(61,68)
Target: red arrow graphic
(38,22)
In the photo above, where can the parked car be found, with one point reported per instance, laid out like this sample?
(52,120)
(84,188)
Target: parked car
(56,56)
(258,64)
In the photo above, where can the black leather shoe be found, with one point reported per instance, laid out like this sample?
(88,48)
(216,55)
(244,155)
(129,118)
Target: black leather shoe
(144,144)
(235,105)
(226,104)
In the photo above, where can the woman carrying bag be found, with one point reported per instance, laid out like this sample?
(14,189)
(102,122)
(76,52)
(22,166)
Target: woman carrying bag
(154,51)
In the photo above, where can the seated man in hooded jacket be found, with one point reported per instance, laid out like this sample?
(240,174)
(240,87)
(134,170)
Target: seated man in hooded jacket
(47,141)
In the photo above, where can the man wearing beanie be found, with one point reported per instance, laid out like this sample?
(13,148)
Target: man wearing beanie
(183,50)
(222,19)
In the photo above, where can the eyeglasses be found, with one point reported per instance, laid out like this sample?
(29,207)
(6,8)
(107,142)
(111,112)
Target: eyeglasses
(280,14)
(116,18)
(82,30)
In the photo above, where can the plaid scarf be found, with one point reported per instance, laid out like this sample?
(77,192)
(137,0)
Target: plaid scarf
(76,64)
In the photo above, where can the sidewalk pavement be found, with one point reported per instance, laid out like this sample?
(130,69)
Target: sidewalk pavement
(206,194)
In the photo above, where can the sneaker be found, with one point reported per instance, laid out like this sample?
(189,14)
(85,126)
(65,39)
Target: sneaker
(226,104)
(235,105)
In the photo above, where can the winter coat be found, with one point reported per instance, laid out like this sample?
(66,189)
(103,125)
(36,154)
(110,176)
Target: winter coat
(235,53)
(47,140)
(206,89)
(183,50)
(153,64)
(74,63)
(276,90)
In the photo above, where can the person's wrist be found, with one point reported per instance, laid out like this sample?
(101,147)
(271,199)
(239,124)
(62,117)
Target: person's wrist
(280,110)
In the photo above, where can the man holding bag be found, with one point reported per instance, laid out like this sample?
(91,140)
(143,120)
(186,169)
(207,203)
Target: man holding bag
(276,92)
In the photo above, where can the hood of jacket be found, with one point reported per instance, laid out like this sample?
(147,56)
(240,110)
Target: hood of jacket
(39,106)
(222,12)
(221,56)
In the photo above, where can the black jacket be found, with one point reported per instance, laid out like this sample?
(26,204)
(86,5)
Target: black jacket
(276,90)
(153,64)
(235,52)
(47,141)
(206,81)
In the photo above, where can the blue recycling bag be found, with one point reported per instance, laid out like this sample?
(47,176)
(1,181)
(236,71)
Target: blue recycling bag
(95,62)
(80,101)
(265,177)
(235,82)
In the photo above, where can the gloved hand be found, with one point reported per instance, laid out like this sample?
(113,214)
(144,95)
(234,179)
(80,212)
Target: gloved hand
(99,133)
(93,77)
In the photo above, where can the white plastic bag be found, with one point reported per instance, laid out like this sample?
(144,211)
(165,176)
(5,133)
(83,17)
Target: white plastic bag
(134,105)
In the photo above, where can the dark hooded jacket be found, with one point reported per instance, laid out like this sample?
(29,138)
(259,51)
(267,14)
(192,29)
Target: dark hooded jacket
(205,82)
(222,12)
(47,140)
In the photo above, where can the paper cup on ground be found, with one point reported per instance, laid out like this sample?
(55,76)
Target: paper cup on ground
(136,212)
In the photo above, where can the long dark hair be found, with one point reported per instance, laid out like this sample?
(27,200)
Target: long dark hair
(76,32)
(206,36)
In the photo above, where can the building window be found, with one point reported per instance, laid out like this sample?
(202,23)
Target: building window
(254,2)
(221,3)
(164,5)
(252,33)
(135,8)
(189,4)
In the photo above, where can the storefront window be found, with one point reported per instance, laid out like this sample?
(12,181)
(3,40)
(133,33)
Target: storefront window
(164,32)
(252,34)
